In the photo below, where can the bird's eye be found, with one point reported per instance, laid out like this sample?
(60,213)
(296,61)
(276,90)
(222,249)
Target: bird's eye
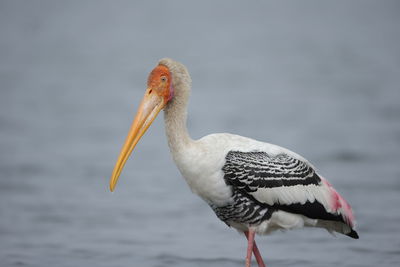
(163,78)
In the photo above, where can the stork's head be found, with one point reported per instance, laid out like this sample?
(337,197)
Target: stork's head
(161,84)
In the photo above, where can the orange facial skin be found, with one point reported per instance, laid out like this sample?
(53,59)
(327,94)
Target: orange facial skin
(160,81)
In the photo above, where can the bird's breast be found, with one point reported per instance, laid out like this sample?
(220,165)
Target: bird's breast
(201,167)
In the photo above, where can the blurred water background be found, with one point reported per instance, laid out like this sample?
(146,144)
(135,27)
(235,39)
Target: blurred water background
(321,78)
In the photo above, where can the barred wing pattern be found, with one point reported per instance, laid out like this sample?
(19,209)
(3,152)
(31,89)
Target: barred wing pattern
(253,170)
(243,209)
(263,183)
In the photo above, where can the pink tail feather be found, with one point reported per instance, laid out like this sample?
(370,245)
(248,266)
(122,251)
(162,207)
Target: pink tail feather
(340,205)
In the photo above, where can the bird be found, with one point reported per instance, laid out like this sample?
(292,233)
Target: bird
(252,186)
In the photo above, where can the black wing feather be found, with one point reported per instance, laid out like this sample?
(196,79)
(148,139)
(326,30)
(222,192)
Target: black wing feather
(254,170)
(248,172)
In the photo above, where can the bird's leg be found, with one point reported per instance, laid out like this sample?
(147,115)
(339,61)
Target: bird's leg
(250,243)
(256,251)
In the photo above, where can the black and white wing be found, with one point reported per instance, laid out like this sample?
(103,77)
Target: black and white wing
(255,170)
(284,182)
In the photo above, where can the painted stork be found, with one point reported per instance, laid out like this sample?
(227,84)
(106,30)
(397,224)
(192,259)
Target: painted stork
(252,186)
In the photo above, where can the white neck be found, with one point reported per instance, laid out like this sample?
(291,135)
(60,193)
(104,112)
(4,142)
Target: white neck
(175,115)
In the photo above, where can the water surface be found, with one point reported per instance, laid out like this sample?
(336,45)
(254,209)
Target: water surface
(321,79)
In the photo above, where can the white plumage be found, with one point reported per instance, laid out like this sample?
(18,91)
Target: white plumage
(253,186)
(201,165)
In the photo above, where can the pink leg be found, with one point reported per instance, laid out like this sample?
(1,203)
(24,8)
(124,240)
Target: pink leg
(256,251)
(250,244)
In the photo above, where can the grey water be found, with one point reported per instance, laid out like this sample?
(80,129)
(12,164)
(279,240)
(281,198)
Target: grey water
(320,78)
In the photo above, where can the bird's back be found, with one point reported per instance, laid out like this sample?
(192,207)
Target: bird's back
(252,183)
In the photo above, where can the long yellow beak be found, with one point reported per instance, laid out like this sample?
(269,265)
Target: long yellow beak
(148,110)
